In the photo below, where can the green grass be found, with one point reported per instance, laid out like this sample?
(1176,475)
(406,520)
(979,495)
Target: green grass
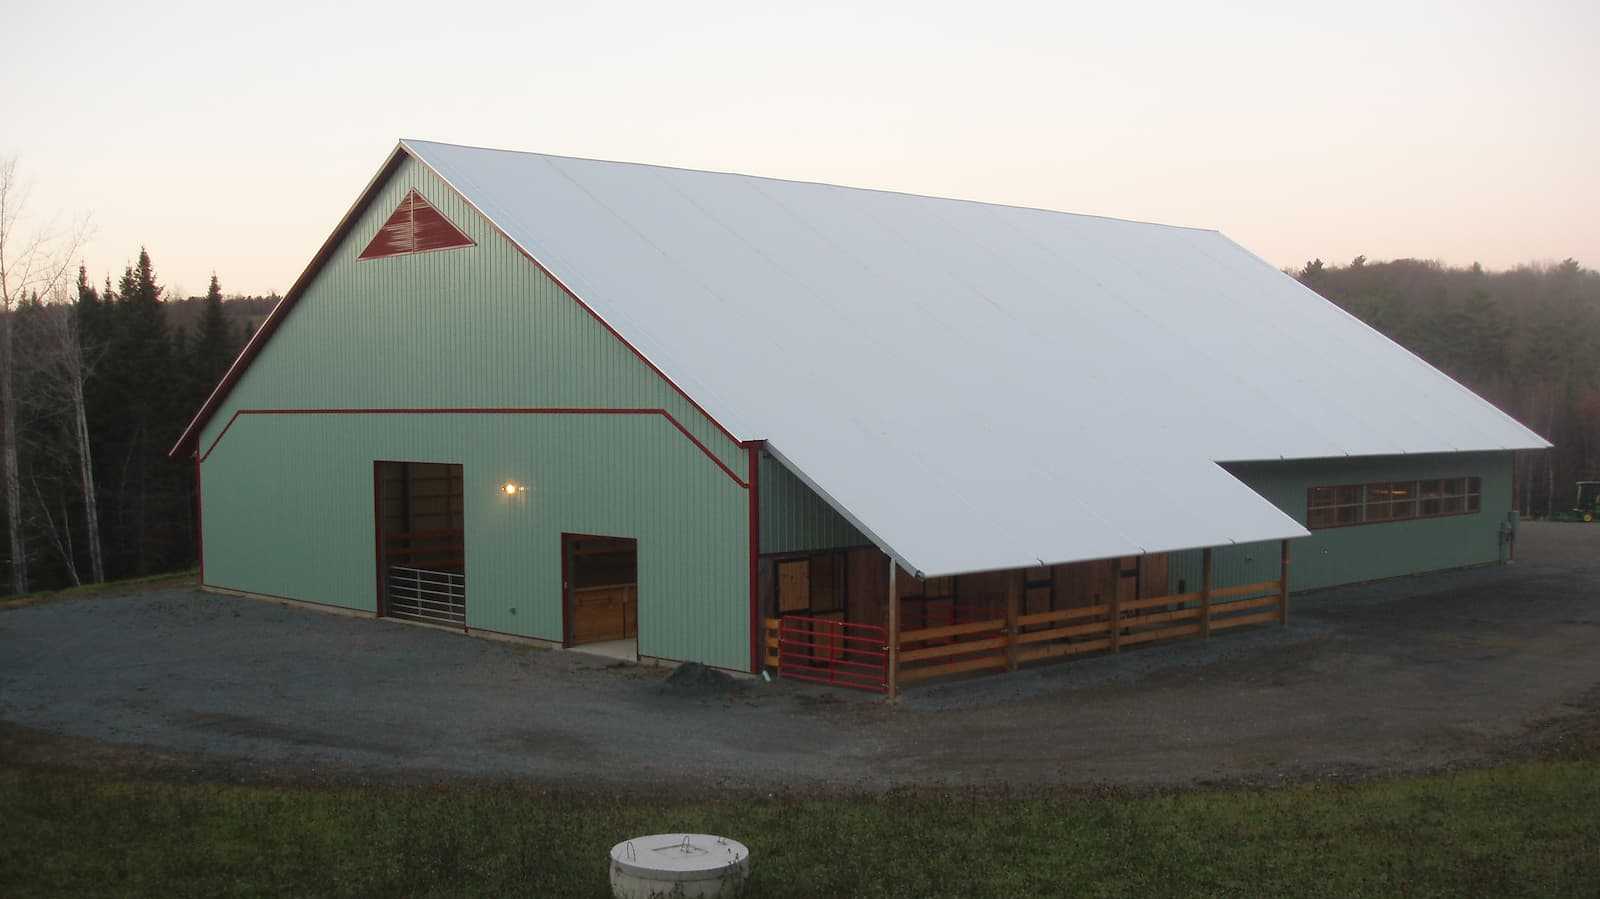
(126,585)
(1525,830)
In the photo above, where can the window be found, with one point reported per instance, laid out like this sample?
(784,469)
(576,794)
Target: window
(1334,506)
(1381,501)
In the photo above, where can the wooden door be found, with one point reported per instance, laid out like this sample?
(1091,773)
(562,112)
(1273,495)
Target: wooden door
(1127,578)
(600,588)
(605,613)
(1153,575)
(794,586)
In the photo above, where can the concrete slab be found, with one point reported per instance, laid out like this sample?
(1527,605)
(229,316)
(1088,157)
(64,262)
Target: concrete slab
(622,650)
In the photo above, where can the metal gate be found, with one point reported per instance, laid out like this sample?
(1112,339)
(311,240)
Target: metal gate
(830,651)
(437,597)
(417,511)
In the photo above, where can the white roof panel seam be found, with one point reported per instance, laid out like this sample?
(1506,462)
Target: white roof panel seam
(1454,391)
(1044,473)
(707,389)
(1154,321)
(1142,476)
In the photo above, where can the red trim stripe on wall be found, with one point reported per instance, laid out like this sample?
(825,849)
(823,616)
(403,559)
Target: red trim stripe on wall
(483,410)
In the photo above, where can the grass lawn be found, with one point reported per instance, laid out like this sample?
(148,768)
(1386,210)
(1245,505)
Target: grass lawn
(126,585)
(1531,829)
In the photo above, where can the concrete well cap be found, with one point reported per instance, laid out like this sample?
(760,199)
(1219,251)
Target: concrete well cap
(679,856)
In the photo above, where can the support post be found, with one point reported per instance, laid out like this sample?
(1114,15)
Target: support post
(758,637)
(1283,587)
(1116,610)
(894,633)
(1205,593)
(1013,601)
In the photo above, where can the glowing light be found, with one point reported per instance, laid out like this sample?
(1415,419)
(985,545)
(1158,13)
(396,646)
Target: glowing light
(511,489)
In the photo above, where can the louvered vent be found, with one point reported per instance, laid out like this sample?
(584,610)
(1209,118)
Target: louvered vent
(415,227)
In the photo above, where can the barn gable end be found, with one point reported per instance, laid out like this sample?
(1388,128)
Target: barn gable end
(473,357)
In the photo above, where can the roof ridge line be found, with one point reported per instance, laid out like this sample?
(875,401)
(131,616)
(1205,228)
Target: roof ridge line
(802,181)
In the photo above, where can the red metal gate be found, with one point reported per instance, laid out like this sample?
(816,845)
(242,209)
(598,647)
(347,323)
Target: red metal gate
(833,652)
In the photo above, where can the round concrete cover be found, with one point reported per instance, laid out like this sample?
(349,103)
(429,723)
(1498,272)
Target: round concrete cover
(679,856)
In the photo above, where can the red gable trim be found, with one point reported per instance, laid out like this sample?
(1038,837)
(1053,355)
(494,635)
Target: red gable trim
(414,227)
(191,434)
(585,306)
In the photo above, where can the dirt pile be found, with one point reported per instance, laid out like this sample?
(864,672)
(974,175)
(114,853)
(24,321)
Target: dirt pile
(695,679)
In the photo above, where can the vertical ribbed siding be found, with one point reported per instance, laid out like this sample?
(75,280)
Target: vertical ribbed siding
(794,518)
(288,499)
(1363,552)
(1242,563)
(479,326)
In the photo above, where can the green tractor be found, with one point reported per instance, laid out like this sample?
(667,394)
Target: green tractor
(1588,506)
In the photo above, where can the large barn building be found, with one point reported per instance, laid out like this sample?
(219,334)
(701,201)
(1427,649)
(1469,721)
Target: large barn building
(649,408)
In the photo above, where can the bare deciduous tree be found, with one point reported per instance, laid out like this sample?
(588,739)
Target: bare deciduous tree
(63,365)
(60,534)
(34,264)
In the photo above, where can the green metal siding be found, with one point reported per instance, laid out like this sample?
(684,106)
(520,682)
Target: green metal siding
(795,519)
(288,499)
(1366,552)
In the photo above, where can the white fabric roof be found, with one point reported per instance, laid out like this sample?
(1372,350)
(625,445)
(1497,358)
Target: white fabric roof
(976,386)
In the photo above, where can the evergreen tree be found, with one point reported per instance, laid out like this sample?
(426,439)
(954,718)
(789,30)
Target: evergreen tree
(148,498)
(184,379)
(92,311)
(214,346)
(1523,339)
(86,292)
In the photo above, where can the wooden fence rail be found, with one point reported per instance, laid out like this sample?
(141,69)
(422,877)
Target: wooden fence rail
(1003,643)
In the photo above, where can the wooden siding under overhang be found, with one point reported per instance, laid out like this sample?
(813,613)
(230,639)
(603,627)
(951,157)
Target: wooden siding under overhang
(794,518)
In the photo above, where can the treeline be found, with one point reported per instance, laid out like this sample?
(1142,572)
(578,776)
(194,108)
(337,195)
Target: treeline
(1527,340)
(105,378)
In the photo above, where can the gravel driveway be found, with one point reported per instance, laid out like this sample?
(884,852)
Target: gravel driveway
(1410,674)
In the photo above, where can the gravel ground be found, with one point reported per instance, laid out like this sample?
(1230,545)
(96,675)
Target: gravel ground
(1404,675)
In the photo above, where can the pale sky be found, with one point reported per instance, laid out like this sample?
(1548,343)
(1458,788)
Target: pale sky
(232,137)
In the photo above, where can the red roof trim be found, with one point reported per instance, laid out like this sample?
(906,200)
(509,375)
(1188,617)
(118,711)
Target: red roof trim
(190,437)
(230,378)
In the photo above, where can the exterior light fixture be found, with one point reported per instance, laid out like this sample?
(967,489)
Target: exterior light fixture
(511,488)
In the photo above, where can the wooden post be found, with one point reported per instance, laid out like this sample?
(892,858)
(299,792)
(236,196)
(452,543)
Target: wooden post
(1116,611)
(894,633)
(1283,587)
(1013,600)
(1205,593)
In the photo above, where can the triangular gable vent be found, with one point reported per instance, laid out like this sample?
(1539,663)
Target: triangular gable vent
(415,227)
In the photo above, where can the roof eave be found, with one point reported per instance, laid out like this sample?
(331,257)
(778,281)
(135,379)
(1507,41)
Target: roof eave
(843,512)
